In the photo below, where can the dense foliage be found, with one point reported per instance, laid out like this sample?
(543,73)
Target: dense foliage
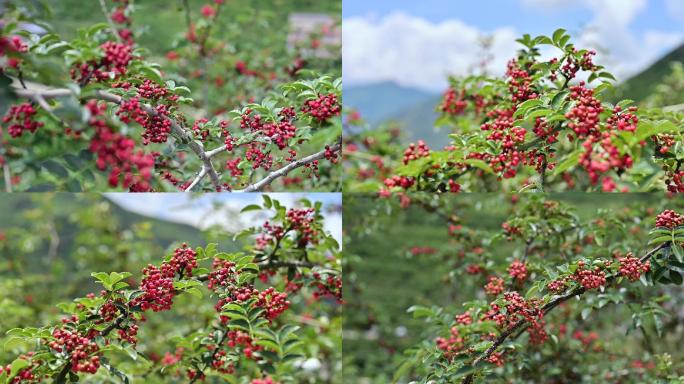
(547,125)
(263,307)
(236,98)
(514,289)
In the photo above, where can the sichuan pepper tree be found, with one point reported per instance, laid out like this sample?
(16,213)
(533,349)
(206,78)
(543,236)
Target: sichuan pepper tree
(560,292)
(267,314)
(548,124)
(96,113)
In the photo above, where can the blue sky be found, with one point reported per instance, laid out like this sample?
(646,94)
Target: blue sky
(490,14)
(200,210)
(386,39)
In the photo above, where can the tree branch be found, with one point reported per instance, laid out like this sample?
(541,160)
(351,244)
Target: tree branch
(182,134)
(115,32)
(258,186)
(546,309)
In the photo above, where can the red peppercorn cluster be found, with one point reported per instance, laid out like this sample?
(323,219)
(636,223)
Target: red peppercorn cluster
(589,278)
(414,152)
(183,261)
(517,307)
(151,90)
(675,181)
(322,108)
(12,45)
(21,118)
(279,132)
(632,267)
(585,115)
(273,302)
(331,286)
(82,351)
(497,359)
(113,64)
(222,274)
(518,271)
(301,220)
(557,286)
(453,103)
(27,374)
(157,126)
(464,319)
(669,219)
(158,290)
(452,346)
(494,286)
(116,151)
(330,155)
(572,66)
(241,339)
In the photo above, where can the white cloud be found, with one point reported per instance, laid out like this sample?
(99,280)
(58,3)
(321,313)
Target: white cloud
(415,52)
(675,8)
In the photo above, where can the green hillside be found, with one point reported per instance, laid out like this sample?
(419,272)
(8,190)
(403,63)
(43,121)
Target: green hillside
(643,84)
(382,101)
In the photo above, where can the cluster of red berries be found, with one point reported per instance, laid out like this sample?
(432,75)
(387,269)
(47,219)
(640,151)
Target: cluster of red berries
(21,118)
(572,66)
(116,151)
(669,219)
(519,83)
(331,286)
(452,346)
(674,181)
(464,319)
(14,45)
(301,220)
(494,286)
(322,108)
(399,181)
(273,302)
(222,274)
(82,350)
(114,63)
(453,103)
(158,290)
(589,278)
(632,267)
(157,125)
(25,375)
(183,261)
(518,271)
(517,307)
(414,152)
(242,339)
(330,155)
(153,91)
(585,115)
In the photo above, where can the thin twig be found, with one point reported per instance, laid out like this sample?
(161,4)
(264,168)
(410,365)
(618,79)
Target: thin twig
(115,32)
(258,186)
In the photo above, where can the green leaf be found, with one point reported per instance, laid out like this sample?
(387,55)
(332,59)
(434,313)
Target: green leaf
(420,311)
(557,35)
(251,207)
(567,163)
